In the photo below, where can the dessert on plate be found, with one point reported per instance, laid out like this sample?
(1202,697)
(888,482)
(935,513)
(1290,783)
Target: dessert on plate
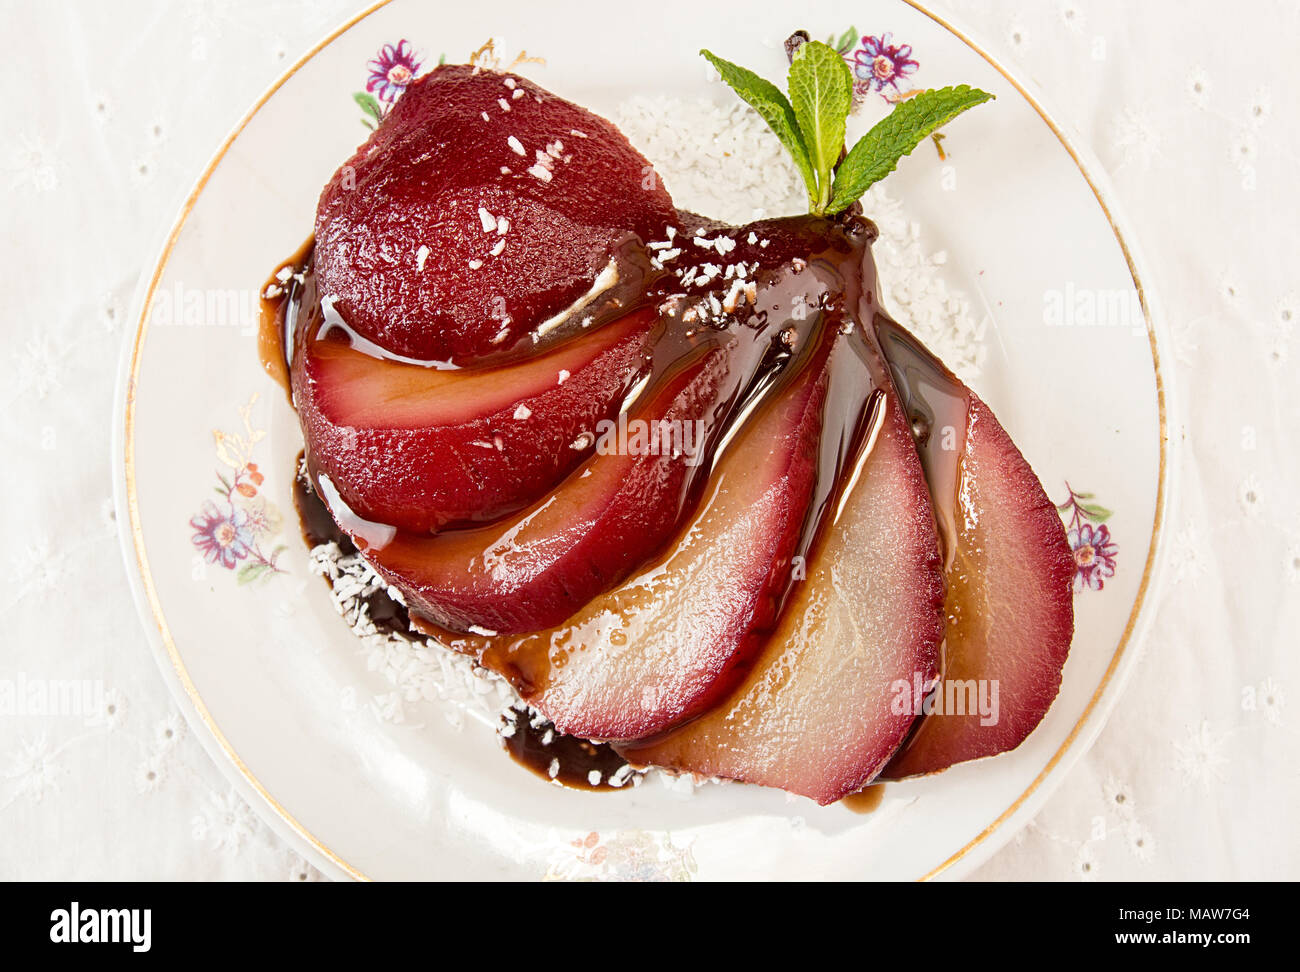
(685,485)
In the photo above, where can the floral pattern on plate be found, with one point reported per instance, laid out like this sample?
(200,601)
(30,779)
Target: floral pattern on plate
(395,66)
(628,855)
(1094,548)
(230,532)
(879,65)
(392,68)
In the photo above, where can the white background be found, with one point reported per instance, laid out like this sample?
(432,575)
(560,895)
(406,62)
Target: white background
(109,110)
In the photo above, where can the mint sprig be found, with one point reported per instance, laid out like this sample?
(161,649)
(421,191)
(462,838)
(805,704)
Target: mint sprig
(811,123)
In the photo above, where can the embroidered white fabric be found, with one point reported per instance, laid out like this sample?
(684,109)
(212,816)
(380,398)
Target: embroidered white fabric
(1194,776)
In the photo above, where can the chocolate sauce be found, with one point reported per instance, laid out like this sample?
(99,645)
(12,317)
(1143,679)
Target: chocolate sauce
(936,404)
(567,760)
(318,527)
(279,303)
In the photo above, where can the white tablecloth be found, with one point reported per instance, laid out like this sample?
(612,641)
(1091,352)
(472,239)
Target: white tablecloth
(110,109)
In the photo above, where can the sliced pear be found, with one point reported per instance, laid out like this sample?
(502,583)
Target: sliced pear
(820,712)
(663,646)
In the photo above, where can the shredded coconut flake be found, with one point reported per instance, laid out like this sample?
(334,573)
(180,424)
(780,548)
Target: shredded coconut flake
(416,670)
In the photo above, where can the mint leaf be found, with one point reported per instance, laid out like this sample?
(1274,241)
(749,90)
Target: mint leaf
(767,99)
(896,135)
(821,92)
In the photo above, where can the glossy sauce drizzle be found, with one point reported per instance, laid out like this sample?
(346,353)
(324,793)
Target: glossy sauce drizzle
(797,304)
(937,406)
(567,760)
(279,301)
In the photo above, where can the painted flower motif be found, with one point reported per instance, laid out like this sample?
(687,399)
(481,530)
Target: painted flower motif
(1094,556)
(391,70)
(263,518)
(1090,540)
(234,528)
(878,64)
(222,538)
(633,855)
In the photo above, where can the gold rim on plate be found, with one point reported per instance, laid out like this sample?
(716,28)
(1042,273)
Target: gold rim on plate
(137,534)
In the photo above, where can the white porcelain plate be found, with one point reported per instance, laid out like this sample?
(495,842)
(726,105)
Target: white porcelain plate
(372,773)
